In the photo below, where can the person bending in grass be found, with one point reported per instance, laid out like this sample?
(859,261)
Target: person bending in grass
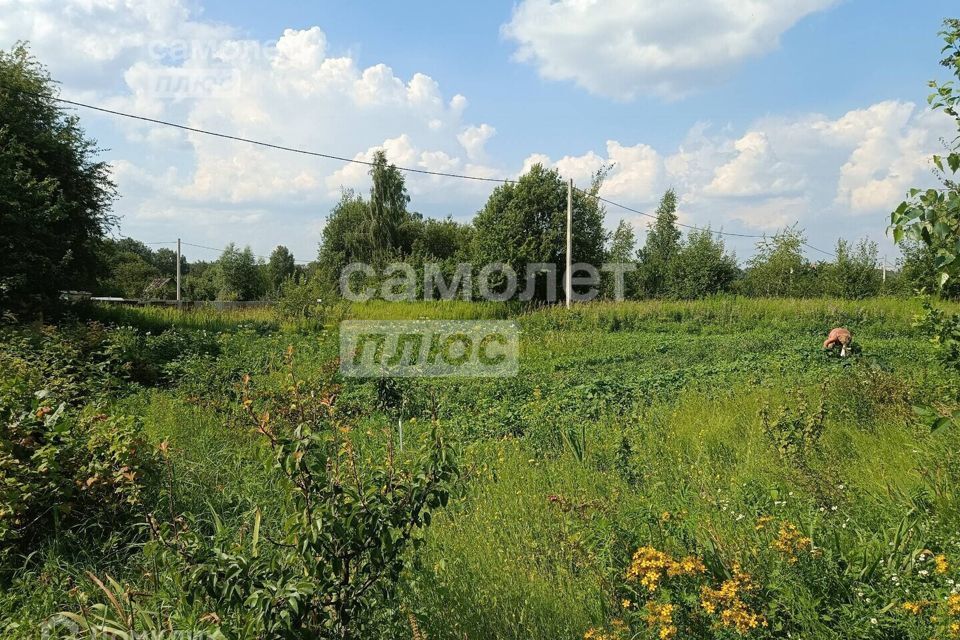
(839,336)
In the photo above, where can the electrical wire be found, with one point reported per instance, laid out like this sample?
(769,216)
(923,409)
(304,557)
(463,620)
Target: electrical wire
(368,163)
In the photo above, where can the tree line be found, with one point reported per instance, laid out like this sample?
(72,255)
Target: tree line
(56,219)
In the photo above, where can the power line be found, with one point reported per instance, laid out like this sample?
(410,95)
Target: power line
(260,143)
(368,163)
(200,246)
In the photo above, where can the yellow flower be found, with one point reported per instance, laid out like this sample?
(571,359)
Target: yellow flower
(790,542)
(649,566)
(626,603)
(734,612)
(914,608)
(942,566)
(762,522)
(953,604)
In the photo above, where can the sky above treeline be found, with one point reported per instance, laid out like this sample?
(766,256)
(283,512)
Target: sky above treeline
(760,113)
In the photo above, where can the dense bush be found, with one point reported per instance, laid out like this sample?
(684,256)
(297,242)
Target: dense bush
(59,469)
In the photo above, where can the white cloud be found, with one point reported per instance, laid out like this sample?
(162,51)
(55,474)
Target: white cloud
(832,173)
(474,138)
(625,48)
(754,170)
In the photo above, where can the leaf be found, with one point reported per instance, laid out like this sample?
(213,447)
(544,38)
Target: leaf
(940,423)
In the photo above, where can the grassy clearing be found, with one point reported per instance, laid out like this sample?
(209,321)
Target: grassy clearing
(630,426)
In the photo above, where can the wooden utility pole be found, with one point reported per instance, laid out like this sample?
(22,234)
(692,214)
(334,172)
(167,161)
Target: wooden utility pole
(568,279)
(178,273)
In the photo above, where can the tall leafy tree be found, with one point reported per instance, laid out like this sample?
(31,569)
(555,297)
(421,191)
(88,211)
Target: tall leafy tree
(388,205)
(525,222)
(55,196)
(622,250)
(854,273)
(661,247)
(779,268)
(280,267)
(702,267)
(239,276)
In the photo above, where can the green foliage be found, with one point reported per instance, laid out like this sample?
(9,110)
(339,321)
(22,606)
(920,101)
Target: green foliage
(54,195)
(239,275)
(622,250)
(932,216)
(629,425)
(854,273)
(280,268)
(661,247)
(701,268)
(794,431)
(524,223)
(343,545)
(309,298)
(59,470)
(778,268)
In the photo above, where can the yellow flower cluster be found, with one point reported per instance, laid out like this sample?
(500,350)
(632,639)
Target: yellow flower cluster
(619,629)
(649,566)
(916,608)
(791,542)
(942,566)
(661,617)
(727,602)
(762,522)
(953,604)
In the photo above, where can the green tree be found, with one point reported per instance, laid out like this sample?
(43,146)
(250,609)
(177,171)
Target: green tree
(55,197)
(854,272)
(280,267)
(779,267)
(622,250)
(702,267)
(388,206)
(524,223)
(932,217)
(239,276)
(661,247)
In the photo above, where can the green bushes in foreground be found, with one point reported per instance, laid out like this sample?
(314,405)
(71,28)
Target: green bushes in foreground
(710,450)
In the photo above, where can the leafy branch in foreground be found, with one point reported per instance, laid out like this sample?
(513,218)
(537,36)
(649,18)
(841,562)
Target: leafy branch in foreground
(334,567)
(932,216)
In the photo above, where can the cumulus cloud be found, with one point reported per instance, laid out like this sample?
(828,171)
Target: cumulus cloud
(159,59)
(826,173)
(754,170)
(474,138)
(624,48)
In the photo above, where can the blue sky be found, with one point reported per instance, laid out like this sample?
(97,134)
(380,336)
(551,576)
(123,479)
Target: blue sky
(760,114)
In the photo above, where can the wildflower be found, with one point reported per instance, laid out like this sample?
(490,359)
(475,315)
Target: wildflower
(953,604)
(915,608)
(661,616)
(790,542)
(626,603)
(762,522)
(727,602)
(942,566)
(649,566)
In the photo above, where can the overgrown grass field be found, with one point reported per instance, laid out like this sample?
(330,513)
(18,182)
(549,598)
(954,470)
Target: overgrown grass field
(655,470)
